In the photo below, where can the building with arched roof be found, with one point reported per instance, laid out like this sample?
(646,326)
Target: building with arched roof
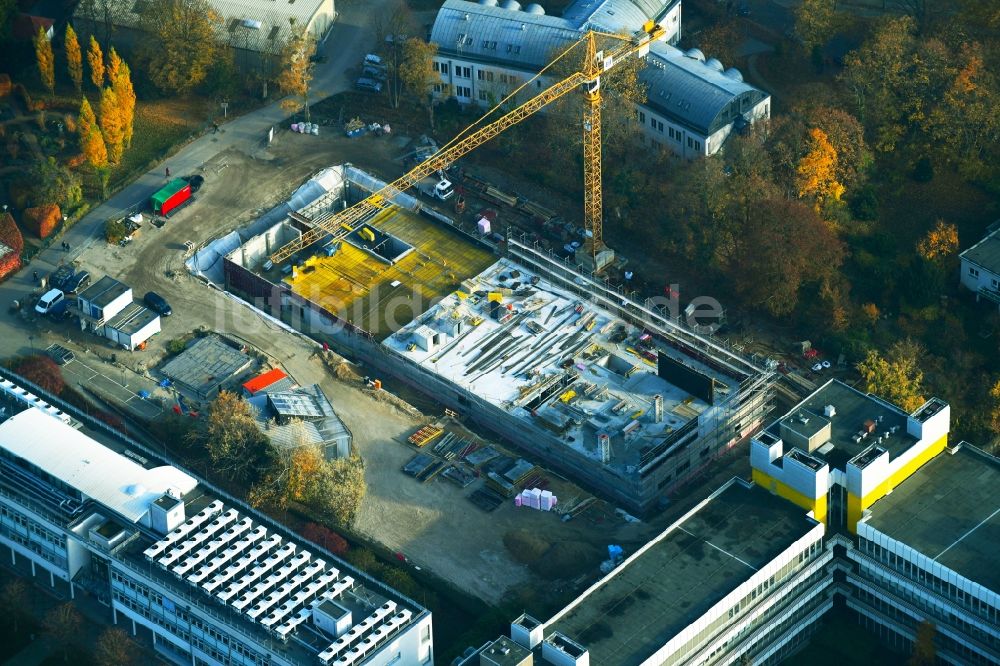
(488,49)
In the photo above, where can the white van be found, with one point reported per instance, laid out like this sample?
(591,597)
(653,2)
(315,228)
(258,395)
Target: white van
(52,301)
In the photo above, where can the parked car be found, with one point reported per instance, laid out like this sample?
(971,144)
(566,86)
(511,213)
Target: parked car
(369,85)
(59,277)
(52,302)
(157,304)
(195,182)
(76,283)
(373,73)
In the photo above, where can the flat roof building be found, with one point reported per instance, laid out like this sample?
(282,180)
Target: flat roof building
(202,576)
(980,267)
(718,579)
(206,366)
(749,573)
(255,29)
(840,450)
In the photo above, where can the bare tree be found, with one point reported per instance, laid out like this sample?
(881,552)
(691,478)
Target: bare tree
(13,598)
(62,624)
(391,29)
(115,648)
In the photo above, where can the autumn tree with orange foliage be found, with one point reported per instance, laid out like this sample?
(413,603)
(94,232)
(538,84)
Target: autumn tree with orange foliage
(95,58)
(45,60)
(817,171)
(183,42)
(294,478)
(112,125)
(95,151)
(74,58)
(940,243)
(120,78)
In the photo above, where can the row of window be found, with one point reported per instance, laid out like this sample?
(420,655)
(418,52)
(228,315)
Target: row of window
(463,72)
(935,609)
(676,135)
(994,282)
(922,576)
(971,656)
(236,651)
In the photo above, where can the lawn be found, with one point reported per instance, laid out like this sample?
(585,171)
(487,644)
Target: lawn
(161,126)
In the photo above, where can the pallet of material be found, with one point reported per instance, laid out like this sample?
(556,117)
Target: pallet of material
(486,499)
(500,485)
(418,464)
(481,457)
(463,478)
(425,435)
(431,471)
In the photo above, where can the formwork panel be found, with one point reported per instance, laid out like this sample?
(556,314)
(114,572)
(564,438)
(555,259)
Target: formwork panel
(380,297)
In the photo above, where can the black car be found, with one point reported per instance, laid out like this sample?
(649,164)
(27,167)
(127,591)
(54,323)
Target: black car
(195,182)
(371,85)
(157,304)
(76,282)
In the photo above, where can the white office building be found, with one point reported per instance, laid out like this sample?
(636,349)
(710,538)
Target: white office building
(980,272)
(199,576)
(487,50)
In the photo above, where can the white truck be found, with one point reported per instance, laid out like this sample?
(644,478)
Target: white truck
(436,187)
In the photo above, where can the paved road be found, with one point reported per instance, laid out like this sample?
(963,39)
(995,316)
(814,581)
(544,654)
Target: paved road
(347,42)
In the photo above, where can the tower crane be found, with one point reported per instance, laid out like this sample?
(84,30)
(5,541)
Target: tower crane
(340,224)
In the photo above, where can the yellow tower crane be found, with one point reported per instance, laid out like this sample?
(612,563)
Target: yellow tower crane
(339,224)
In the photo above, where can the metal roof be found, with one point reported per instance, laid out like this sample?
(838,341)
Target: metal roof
(516,38)
(268,379)
(132,319)
(169,190)
(686,89)
(94,470)
(616,15)
(104,291)
(257,25)
(985,253)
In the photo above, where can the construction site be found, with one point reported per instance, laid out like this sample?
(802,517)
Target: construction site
(616,394)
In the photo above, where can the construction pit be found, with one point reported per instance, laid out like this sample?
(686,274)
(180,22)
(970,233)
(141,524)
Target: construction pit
(615,395)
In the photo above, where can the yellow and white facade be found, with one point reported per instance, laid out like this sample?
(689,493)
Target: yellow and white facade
(839,451)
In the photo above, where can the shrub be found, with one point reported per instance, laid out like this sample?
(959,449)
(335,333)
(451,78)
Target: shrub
(42,220)
(326,538)
(75,161)
(114,232)
(112,420)
(10,236)
(5,86)
(176,346)
(41,371)
(69,120)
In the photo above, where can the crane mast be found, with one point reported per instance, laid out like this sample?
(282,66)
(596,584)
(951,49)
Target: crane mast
(338,225)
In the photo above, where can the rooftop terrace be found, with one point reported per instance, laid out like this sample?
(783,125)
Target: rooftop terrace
(857,421)
(949,511)
(539,353)
(644,603)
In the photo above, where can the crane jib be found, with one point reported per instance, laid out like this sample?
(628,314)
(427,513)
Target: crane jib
(339,225)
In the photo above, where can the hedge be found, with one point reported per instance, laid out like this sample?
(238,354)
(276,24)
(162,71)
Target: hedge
(42,220)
